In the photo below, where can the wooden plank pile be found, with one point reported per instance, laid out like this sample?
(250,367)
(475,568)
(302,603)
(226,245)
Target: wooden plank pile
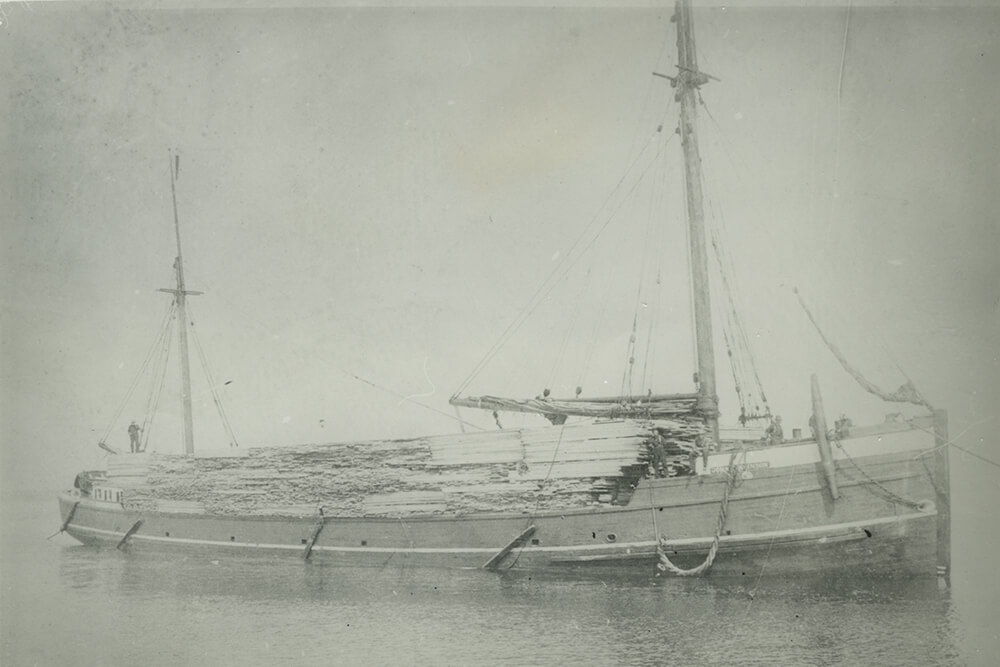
(128,471)
(561,467)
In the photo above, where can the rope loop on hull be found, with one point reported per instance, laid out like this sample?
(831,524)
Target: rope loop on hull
(665,565)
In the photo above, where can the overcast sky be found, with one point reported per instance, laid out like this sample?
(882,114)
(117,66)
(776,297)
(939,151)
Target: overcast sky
(380,191)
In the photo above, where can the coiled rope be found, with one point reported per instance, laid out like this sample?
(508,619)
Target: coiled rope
(661,549)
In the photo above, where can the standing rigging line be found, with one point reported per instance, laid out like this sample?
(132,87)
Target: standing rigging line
(840,93)
(588,354)
(646,379)
(647,248)
(423,405)
(626,386)
(739,166)
(578,322)
(742,359)
(592,342)
(657,208)
(159,387)
(138,376)
(665,40)
(213,387)
(557,274)
(157,369)
(568,333)
(738,337)
(248,320)
(630,355)
(554,277)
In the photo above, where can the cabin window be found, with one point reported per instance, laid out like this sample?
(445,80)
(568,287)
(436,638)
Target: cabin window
(611,537)
(364,543)
(232,538)
(304,540)
(106,494)
(536,541)
(167,533)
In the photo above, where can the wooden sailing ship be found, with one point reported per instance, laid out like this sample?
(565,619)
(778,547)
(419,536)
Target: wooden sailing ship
(645,480)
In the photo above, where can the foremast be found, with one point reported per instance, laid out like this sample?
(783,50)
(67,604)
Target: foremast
(180,295)
(689,79)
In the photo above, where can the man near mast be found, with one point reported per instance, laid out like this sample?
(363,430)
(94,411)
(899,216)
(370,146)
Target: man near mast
(133,436)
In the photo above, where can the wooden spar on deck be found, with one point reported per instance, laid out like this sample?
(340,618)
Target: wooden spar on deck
(688,80)
(129,533)
(942,487)
(665,406)
(312,539)
(825,453)
(494,562)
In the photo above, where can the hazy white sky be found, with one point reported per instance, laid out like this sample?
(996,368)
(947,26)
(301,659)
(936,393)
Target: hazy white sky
(380,191)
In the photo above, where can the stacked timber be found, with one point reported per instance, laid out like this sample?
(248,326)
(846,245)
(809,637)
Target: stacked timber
(574,465)
(127,472)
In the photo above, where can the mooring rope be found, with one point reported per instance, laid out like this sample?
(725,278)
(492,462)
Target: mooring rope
(666,566)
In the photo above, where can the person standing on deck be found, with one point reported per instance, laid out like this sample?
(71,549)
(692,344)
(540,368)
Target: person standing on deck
(774,434)
(133,436)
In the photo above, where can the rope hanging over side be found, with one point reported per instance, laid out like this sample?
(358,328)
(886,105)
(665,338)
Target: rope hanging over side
(720,523)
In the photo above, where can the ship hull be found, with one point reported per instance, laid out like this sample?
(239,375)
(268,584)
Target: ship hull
(781,520)
(901,545)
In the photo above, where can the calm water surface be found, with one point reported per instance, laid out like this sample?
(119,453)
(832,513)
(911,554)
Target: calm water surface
(68,604)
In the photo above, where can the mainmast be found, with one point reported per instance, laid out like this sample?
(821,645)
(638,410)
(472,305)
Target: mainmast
(180,294)
(688,80)
(704,404)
